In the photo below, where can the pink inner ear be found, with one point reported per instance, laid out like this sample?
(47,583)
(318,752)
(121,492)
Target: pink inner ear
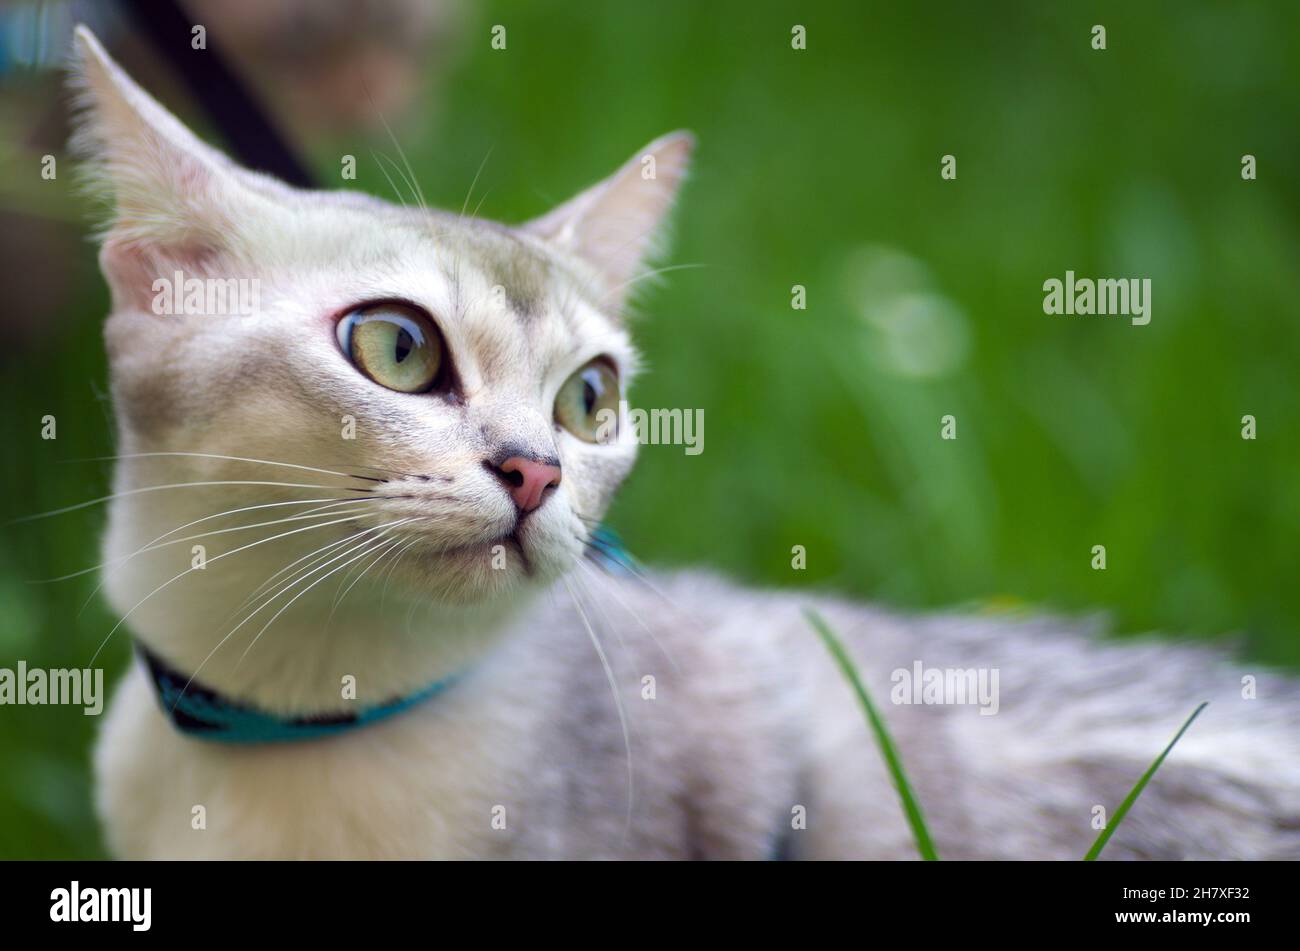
(132,266)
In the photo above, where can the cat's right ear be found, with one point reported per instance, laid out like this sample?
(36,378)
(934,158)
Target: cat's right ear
(175,202)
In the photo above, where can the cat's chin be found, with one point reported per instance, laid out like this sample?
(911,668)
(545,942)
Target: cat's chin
(482,572)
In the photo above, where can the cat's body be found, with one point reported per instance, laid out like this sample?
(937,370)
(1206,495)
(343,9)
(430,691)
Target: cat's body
(409,418)
(750,726)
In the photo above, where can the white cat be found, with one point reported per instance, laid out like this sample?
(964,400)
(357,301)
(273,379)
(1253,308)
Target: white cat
(373,498)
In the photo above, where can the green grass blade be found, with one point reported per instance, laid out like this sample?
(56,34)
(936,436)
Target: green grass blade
(911,808)
(1104,836)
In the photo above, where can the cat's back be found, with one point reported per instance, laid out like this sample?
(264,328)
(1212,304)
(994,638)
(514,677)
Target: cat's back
(1016,730)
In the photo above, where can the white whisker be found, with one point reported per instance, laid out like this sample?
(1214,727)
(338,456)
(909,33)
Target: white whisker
(609,625)
(272,598)
(388,574)
(469,194)
(646,275)
(187,571)
(367,546)
(189,538)
(178,485)
(213,455)
(248,508)
(377,156)
(618,700)
(386,550)
(315,557)
(612,590)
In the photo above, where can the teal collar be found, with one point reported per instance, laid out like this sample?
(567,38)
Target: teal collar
(607,550)
(202,712)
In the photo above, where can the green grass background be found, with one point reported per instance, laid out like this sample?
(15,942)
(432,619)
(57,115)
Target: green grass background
(821,168)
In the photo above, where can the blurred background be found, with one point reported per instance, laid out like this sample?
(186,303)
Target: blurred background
(817,167)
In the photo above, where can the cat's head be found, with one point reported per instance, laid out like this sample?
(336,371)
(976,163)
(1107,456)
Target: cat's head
(438,376)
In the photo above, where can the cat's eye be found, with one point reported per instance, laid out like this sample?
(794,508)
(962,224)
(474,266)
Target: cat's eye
(587,404)
(396,345)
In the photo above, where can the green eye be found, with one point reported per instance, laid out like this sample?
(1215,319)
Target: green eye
(396,345)
(587,404)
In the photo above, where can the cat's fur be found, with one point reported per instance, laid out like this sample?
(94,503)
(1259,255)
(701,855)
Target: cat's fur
(750,727)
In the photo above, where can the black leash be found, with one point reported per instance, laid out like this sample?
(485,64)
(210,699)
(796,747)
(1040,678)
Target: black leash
(252,137)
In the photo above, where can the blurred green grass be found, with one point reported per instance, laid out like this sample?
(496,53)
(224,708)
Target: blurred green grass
(821,168)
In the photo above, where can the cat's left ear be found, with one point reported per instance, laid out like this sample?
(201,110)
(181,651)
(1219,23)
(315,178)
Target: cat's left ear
(617,224)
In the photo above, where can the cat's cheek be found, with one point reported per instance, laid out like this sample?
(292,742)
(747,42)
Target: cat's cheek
(153,393)
(596,475)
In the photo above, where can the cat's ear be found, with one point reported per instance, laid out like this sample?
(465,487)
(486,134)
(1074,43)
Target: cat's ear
(175,201)
(617,224)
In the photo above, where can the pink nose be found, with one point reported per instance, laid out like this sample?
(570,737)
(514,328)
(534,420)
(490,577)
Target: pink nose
(528,480)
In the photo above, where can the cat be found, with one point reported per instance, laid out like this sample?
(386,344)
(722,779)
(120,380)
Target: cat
(354,535)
